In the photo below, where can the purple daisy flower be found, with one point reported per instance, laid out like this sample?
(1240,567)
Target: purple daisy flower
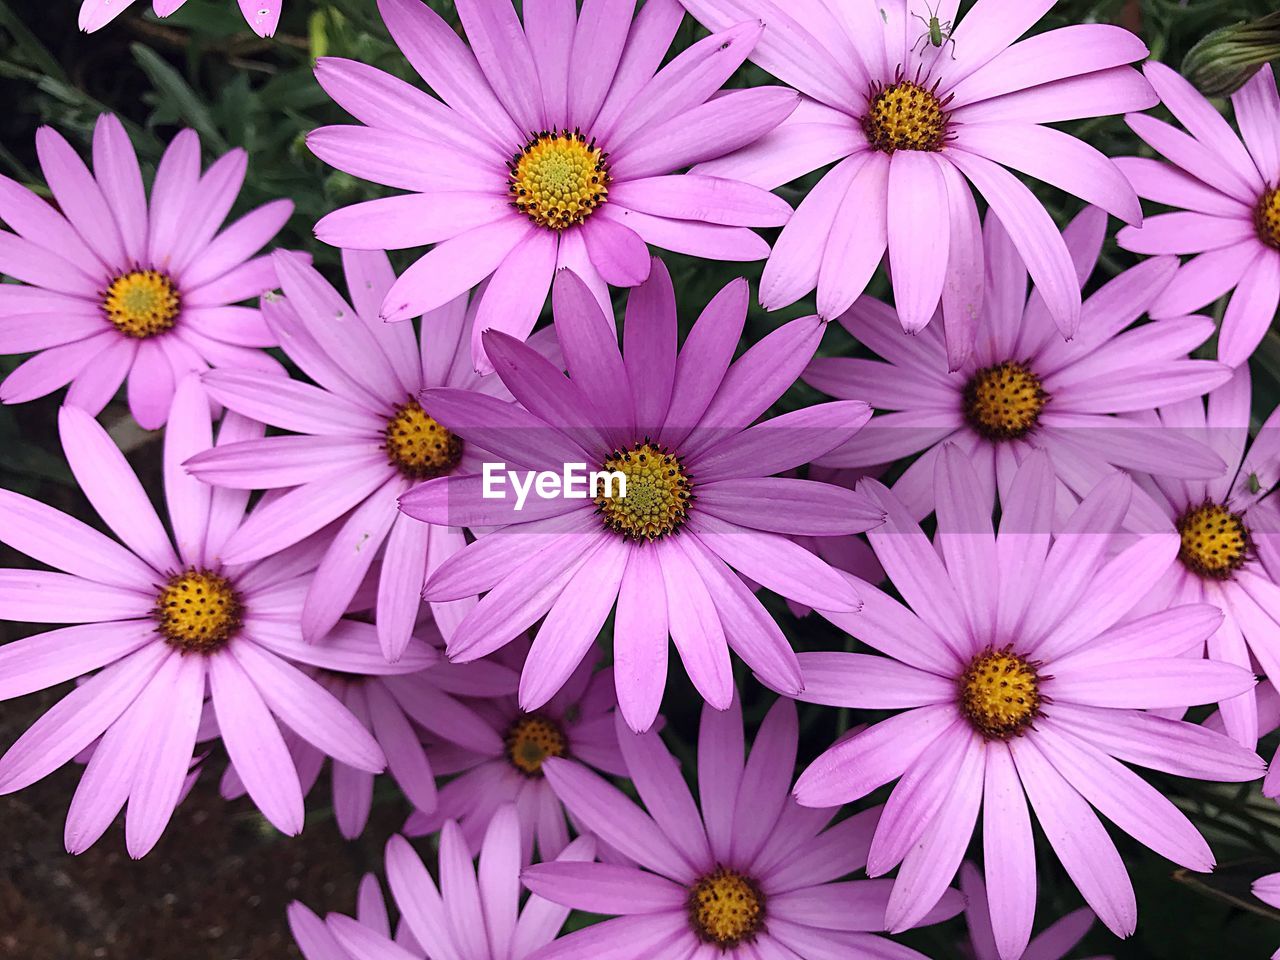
(115,287)
(1053,944)
(501,761)
(475,912)
(1228,195)
(1021,680)
(908,123)
(702,500)
(1024,388)
(263,16)
(1229,530)
(362,441)
(162,620)
(750,875)
(1267,889)
(556,145)
(399,703)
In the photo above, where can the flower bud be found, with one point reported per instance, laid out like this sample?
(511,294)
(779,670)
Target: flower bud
(1224,60)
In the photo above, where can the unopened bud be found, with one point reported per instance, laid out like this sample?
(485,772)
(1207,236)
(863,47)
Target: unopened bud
(1225,60)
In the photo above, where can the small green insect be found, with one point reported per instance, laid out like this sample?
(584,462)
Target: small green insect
(937,32)
(1255,485)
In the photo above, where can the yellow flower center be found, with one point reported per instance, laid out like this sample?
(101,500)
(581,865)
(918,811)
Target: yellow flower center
(1003,402)
(905,116)
(142,303)
(1215,541)
(658,493)
(418,446)
(198,611)
(726,908)
(532,739)
(558,179)
(1266,217)
(1000,694)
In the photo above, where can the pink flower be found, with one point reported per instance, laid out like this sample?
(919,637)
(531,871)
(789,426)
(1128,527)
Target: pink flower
(473,913)
(500,759)
(752,874)
(702,500)
(1229,552)
(398,703)
(908,123)
(363,440)
(114,287)
(1021,680)
(263,16)
(556,145)
(165,622)
(1228,195)
(1024,388)
(1052,944)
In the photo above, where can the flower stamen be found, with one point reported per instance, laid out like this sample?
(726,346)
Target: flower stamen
(418,446)
(142,303)
(198,611)
(1215,542)
(726,908)
(658,493)
(906,115)
(1000,693)
(1003,402)
(531,740)
(559,178)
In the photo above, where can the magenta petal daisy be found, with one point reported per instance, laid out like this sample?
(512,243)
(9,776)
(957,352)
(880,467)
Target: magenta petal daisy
(498,751)
(1024,680)
(360,440)
(702,500)
(1226,188)
(746,873)
(116,287)
(475,911)
(316,941)
(165,623)
(1024,388)
(556,142)
(1229,529)
(907,123)
(1054,943)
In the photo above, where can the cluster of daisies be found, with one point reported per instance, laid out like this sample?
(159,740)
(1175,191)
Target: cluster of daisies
(336,575)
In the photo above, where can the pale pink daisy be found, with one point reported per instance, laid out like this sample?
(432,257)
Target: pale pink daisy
(744,874)
(1226,191)
(1054,943)
(262,16)
(556,142)
(1023,681)
(473,912)
(1267,889)
(165,622)
(701,502)
(316,941)
(362,440)
(1024,388)
(116,286)
(1230,539)
(499,761)
(907,123)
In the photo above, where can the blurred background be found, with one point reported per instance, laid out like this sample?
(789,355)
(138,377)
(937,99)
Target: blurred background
(217,884)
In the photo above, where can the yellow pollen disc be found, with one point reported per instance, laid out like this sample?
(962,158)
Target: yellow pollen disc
(558,179)
(531,739)
(1215,541)
(1003,402)
(418,446)
(1266,217)
(726,908)
(658,493)
(905,116)
(198,611)
(1000,694)
(142,303)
